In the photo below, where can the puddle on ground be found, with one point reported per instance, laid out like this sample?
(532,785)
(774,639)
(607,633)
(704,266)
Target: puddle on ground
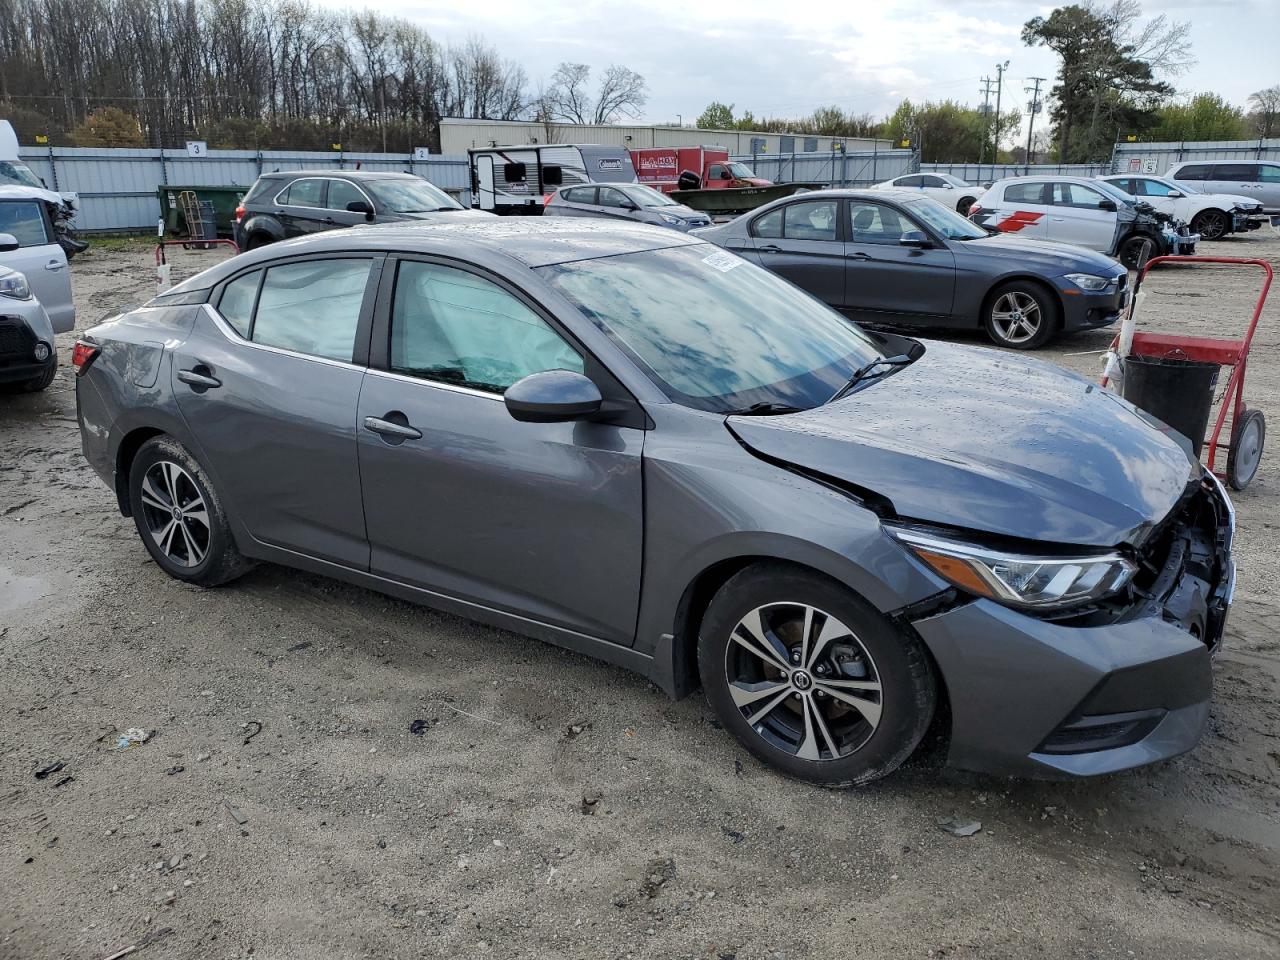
(17,591)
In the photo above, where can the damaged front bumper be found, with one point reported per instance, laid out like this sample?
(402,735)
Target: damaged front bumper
(1106,690)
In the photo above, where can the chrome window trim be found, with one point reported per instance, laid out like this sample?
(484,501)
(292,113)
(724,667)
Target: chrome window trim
(233,335)
(351,183)
(438,384)
(289,186)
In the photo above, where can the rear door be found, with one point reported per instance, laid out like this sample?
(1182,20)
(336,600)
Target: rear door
(1076,217)
(268,383)
(882,277)
(1024,210)
(540,519)
(302,207)
(40,258)
(576,202)
(801,241)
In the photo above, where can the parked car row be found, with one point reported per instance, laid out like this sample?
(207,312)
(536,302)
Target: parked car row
(626,441)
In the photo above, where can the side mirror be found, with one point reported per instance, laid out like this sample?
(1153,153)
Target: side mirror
(629,205)
(1176,194)
(361,206)
(914,238)
(553,396)
(948,186)
(1107,205)
(8,242)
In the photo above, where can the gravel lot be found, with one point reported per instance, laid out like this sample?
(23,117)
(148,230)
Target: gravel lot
(425,787)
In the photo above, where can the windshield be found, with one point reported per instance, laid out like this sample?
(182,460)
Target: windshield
(714,331)
(410,195)
(954,181)
(740,170)
(646,196)
(945,220)
(17,172)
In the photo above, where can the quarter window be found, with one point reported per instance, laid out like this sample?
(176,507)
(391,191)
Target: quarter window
(25,220)
(304,193)
(341,193)
(237,301)
(875,223)
(451,326)
(1024,193)
(312,307)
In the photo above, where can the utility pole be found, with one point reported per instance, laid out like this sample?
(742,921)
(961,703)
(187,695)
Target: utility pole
(995,127)
(1033,107)
(986,112)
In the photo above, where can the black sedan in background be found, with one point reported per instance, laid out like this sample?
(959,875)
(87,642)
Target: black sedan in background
(897,258)
(295,203)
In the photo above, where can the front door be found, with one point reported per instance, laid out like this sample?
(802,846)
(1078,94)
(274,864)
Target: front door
(883,278)
(801,242)
(339,195)
(541,520)
(39,258)
(269,393)
(1076,217)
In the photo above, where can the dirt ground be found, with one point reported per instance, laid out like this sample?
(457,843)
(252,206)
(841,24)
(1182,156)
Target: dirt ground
(423,787)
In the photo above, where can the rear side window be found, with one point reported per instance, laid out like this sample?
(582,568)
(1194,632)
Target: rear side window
(580,195)
(237,301)
(1194,171)
(913,181)
(25,220)
(1235,171)
(1024,193)
(811,220)
(453,327)
(304,193)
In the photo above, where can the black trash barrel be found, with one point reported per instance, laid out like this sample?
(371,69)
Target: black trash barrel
(1177,391)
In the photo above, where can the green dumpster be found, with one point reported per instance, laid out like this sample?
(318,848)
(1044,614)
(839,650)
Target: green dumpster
(224,200)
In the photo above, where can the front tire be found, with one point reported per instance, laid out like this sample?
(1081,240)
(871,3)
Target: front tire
(963,206)
(1211,224)
(1137,250)
(1020,315)
(180,517)
(811,679)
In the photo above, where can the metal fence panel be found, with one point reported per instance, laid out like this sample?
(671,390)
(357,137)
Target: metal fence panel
(117,186)
(857,168)
(1156,158)
(990,172)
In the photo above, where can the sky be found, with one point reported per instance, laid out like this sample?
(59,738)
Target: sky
(779,58)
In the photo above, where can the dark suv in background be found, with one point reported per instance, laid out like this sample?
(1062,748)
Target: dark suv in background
(283,205)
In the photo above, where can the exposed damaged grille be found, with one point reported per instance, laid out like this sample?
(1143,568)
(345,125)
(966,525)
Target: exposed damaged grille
(16,341)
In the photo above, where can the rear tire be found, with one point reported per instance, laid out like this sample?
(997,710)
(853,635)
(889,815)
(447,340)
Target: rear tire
(1020,315)
(257,240)
(845,705)
(180,517)
(1211,224)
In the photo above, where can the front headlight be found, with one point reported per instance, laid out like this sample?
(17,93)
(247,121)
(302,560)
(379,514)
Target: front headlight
(667,218)
(14,285)
(1020,580)
(1087,281)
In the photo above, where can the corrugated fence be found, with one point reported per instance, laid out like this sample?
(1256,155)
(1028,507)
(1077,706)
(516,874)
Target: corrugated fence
(990,172)
(859,168)
(1159,157)
(117,187)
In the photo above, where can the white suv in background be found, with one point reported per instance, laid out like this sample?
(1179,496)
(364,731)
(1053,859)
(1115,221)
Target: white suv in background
(1089,213)
(1212,215)
(1257,179)
(947,190)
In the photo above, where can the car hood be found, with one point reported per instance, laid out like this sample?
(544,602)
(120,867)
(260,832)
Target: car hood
(1048,254)
(970,437)
(679,210)
(1230,199)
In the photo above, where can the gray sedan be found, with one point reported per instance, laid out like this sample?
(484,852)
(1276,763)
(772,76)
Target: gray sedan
(623,201)
(643,448)
(895,257)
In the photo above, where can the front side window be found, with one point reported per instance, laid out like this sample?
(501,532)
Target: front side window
(1268,174)
(875,223)
(454,327)
(1075,195)
(304,193)
(716,332)
(612,198)
(312,307)
(933,181)
(717,172)
(25,220)
(1024,193)
(809,220)
(342,193)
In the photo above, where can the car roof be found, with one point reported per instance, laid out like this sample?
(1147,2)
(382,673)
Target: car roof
(494,242)
(340,174)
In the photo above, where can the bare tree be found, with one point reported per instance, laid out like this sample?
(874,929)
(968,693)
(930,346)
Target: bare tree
(621,94)
(1266,111)
(567,98)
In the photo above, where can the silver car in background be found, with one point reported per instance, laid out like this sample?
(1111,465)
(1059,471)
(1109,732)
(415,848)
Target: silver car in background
(623,201)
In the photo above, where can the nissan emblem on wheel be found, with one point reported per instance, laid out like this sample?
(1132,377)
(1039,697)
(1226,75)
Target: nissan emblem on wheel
(624,440)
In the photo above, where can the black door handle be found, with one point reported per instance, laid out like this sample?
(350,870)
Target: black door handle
(393,427)
(859,255)
(199,377)
(770,249)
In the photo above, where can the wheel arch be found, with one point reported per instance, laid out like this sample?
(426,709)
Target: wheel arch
(128,449)
(1055,295)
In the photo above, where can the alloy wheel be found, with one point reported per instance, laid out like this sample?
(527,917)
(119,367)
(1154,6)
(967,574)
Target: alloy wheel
(1016,316)
(803,681)
(176,516)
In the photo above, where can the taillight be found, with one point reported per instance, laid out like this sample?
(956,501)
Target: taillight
(83,355)
(239,214)
(548,198)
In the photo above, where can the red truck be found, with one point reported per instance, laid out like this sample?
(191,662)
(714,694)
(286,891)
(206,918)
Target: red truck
(662,167)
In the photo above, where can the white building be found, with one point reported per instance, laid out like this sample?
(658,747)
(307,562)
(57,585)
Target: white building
(458,135)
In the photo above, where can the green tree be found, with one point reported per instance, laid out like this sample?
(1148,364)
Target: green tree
(717,116)
(948,131)
(1110,76)
(1206,116)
